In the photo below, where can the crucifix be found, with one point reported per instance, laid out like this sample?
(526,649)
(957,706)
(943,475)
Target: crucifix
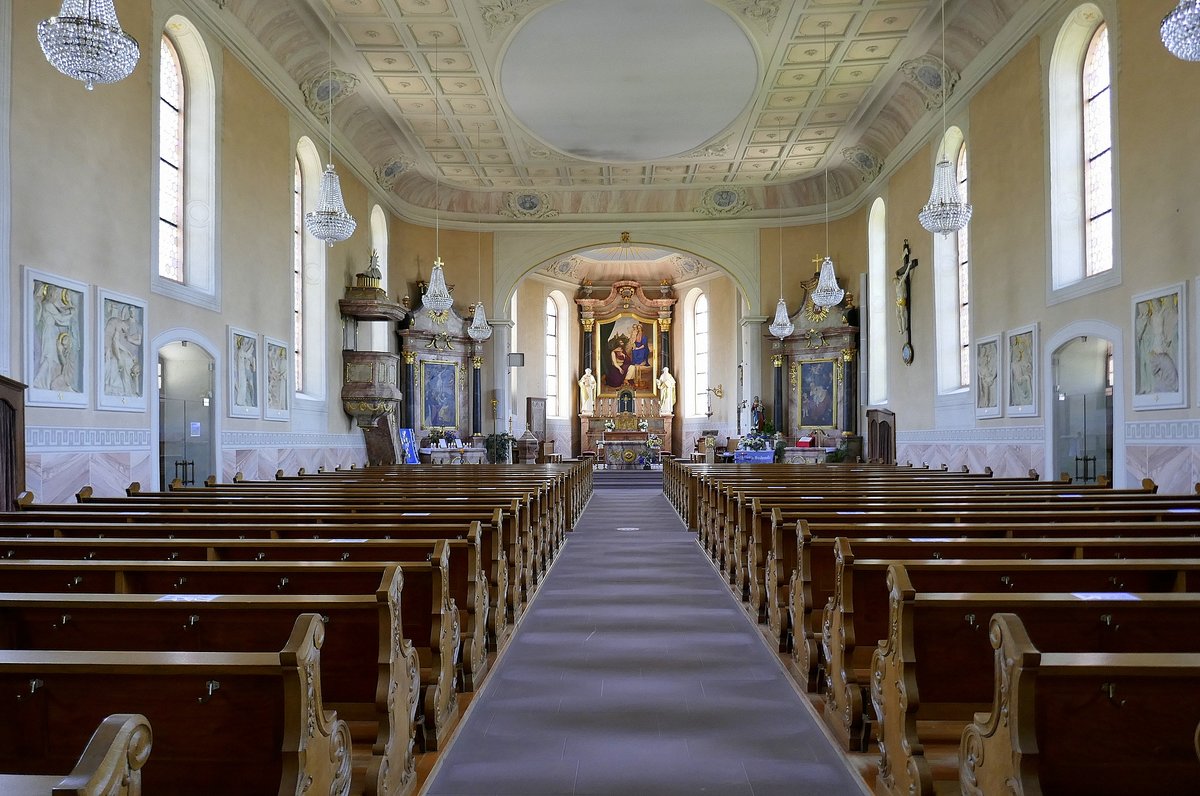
(903,284)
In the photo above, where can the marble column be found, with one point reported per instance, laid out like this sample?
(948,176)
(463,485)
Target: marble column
(408,365)
(587,339)
(751,343)
(777,362)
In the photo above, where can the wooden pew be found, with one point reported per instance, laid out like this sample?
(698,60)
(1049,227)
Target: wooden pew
(856,619)
(1104,724)
(229,723)
(431,619)
(109,766)
(369,669)
(933,671)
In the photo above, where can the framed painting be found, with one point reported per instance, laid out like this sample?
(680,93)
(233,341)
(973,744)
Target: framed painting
(55,326)
(243,373)
(1021,375)
(818,394)
(626,352)
(1160,348)
(989,380)
(121,352)
(408,442)
(278,404)
(439,394)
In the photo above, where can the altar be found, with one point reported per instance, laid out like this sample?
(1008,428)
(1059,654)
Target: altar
(627,454)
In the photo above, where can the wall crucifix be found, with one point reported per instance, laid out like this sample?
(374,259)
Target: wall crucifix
(903,282)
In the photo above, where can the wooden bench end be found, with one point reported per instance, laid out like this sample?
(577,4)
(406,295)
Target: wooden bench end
(113,758)
(83,494)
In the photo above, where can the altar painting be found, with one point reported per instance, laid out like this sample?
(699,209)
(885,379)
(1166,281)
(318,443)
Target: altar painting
(439,396)
(627,353)
(818,394)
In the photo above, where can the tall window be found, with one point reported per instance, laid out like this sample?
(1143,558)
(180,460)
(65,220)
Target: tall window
(1097,153)
(380,331)
(185,263)
(879,308)
(964,279)
(170,163)
(552,360)
(298,275)
(700,353)
(1082,153)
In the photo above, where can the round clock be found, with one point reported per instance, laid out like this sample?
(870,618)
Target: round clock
(906,353)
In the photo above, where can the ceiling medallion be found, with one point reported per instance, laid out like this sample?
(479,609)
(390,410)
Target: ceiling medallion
(327,89)
(926,75)
(763,12)
(387,174)
(722,201)
(864,160)
(526,205)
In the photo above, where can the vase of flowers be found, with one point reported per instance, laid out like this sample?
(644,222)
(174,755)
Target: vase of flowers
(610,424)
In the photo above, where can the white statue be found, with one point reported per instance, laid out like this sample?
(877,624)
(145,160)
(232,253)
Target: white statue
(587,393)
(666,392)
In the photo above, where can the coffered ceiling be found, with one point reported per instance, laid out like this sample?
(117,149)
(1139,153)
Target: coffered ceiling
(579,110)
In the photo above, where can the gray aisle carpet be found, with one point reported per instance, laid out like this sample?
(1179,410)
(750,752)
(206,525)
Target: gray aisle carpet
(635,671)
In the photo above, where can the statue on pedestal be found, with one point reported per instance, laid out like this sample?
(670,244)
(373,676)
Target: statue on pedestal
(587,393)
(666,392)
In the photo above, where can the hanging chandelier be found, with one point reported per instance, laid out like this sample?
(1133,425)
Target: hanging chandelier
(479,330)
(329,221)
(85,41)
(944,212)
(782,327)
(827,292)
(437,297)
(1180,30)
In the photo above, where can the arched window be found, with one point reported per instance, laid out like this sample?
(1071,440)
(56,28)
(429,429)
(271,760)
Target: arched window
(879,315)
(185,174)
(951,286)
(698,359)
(1082,158)
(298,275)
(552,358)
(308,279)
(378,340)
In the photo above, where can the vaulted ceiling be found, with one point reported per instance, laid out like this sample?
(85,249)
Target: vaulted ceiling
(580,110)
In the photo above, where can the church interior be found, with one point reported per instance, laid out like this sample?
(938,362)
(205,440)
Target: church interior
(679,234)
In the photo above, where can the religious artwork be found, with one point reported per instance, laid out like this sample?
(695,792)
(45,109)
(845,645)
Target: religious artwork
(439,395)
(243,373)
(666,392)
(1021,375)
(1160,349)
(408,441)
(587,393)
(627,353)
(121,359)
(756,415)
(903,285)
(56,322)
(989,382)
(818,394)
(278,384)
(535,416)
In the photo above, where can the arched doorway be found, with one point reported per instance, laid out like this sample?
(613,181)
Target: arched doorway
(187,400)
(1081,408)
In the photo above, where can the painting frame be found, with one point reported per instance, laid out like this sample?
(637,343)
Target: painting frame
(645,383)
(60,317)
(431,390)
(245,368)
(1158,321)
(277,371)
(121,353)
(987,365)
(814,410)
(1020,367)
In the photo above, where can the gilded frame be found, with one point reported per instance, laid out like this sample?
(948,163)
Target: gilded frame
(818,393)
(617,332)
(56,325)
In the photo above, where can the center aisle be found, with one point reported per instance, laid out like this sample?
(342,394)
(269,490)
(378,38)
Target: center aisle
(635,671)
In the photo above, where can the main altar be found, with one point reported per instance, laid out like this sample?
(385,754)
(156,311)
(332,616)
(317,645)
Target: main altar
(627,394)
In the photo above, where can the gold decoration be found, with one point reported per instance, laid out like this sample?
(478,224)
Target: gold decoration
(664,324)
(477,362)
(794,372)
(848,355)
(588,323)
(814,313)
(777,360)
(409,357)
(439,318)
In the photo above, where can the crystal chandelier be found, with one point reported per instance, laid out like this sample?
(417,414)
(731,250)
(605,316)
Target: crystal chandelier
(782,327)
(437,296)
(85,41)
(944,212)
(1180,31)
(827,293)
(329,221)
(479,330)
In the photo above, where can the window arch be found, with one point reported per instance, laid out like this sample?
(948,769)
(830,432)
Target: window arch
(308,278)
(695,354)
(1082,158)
(554,359)
(878,316)
(185,173)
(378,340)
(951,285)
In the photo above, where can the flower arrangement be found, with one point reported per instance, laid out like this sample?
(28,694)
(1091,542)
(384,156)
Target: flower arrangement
(654,442)
(756,442)
(610,424)
(643,425)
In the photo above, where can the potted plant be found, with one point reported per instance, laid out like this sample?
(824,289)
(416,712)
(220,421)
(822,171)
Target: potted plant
(498,448)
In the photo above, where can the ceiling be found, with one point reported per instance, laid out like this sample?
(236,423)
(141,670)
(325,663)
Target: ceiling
(580,110)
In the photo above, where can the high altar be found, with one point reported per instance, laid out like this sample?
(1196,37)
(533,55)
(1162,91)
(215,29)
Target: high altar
(626,346)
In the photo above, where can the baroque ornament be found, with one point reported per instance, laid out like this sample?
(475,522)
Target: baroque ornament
(321,92)
(866,162)
(505,13)
(763,12)
(929,74)
(723,201)
(526,205)
(387,174)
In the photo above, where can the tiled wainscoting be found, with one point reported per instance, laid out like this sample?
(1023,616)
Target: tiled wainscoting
(61,461)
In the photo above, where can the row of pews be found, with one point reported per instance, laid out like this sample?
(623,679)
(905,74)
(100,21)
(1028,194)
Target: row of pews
(312,634)
(972,634)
